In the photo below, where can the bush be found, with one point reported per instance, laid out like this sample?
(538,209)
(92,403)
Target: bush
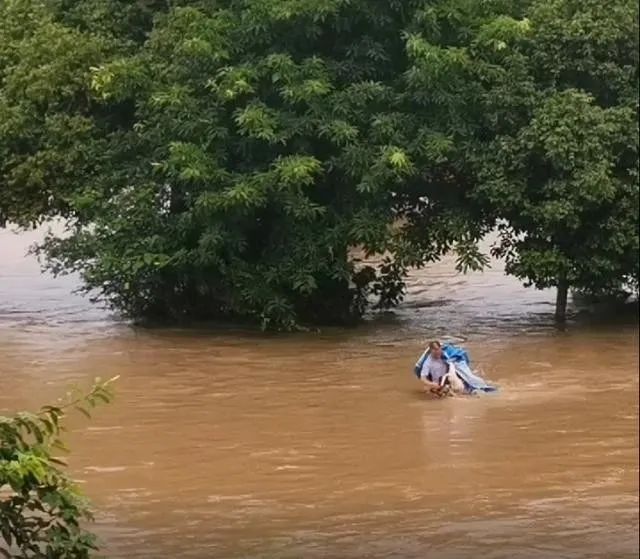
(41,510)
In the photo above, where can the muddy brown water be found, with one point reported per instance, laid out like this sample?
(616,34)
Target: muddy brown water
(236,444)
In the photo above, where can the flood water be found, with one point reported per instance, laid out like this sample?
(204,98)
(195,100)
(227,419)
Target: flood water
(234,444)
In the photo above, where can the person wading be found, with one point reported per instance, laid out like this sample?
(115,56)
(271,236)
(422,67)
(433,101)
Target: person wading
(437,375)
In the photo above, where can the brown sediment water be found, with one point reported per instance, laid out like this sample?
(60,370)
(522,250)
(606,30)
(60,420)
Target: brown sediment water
(235,444)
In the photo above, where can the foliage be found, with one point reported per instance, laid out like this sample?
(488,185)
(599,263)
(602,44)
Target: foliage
(225,164)
(224,159)
(562,165)
(40,508)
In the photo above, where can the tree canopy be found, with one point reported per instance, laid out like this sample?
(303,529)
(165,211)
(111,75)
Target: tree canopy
(562,171)
(222,159)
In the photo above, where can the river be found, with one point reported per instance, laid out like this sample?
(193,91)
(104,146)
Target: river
(234,444)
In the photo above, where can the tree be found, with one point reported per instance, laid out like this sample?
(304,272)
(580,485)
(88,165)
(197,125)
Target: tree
(561,164)
(222,161)
(45,125)
(41,510)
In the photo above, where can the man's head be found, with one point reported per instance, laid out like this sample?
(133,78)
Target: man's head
(435,349)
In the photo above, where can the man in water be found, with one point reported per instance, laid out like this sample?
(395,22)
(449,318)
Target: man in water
(438,376)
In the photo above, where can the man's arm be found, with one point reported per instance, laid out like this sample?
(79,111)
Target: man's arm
(428,385)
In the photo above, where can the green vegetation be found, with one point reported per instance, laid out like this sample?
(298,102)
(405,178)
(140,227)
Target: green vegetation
(222,159)
(562,170)
(41,510)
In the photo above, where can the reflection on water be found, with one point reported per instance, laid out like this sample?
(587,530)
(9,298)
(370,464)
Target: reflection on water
(242,445)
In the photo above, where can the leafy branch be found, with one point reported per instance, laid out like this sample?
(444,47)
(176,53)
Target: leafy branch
(41,510)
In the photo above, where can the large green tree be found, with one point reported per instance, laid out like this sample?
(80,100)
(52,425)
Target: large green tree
(223,158)
(560,164)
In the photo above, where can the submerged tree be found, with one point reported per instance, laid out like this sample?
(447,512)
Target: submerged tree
(225,164)
(221,160)
(561,166)
(41,510)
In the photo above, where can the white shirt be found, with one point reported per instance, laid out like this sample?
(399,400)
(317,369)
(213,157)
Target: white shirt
(433,369)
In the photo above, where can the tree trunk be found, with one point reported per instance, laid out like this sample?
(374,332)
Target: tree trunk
(561,299)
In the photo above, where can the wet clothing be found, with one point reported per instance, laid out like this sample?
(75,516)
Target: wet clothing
(434,370)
